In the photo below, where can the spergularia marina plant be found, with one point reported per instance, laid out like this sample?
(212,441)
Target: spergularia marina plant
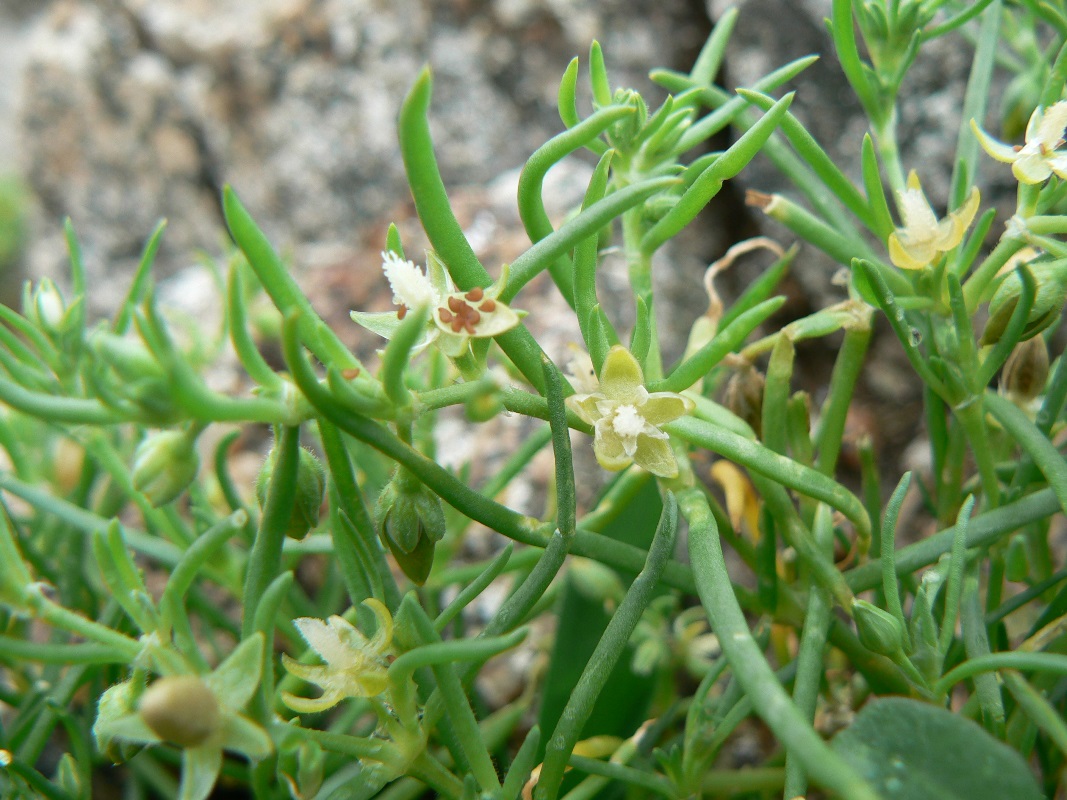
(422,595)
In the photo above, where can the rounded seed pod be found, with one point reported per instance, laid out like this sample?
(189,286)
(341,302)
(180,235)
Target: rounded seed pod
(180,709)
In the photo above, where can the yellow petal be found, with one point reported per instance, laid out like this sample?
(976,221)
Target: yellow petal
(1031,169)
(656,456)
(608,448)
(311,705)
(312,673)
(585,406)
(997,150)
(901,256)
(621,378)
(383,637)
(663,407)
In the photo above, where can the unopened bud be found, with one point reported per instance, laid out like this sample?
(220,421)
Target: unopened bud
(410,522)
(879,631)
(180,709)
(164,465)
(744,396)
(310,489)
(1051,280)
(47,308)
(1026,371)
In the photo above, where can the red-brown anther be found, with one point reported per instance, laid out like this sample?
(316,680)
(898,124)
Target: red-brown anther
(401,312)
(489,306)
(446,315)
(455,304)
(351,373)
(475,294)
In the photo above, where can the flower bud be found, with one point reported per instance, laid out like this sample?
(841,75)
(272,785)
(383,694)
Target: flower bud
(625,130)
(180,709)
(879,631)
(46,307)
(1026,371)
(310,489)
(1051,280)
(410,522)
(744,396)
(164,465)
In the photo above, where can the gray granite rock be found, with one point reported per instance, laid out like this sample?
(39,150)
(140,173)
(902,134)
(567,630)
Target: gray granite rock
(135,110)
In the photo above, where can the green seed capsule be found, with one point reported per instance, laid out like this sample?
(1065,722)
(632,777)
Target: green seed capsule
(180,709)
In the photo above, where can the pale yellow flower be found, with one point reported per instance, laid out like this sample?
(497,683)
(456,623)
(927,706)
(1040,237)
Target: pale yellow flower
(626,417)
(923,237)
(1040,157)
(355,666)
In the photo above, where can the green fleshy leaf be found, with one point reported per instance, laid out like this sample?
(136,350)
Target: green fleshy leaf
(200,770)
(242,735)
(234,681)
(915,751)
(116,718)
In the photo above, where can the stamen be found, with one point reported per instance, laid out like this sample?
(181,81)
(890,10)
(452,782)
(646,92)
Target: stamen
(475,294)
(402,311)
(455,304)
(489,306)
(350,374)
(445,314)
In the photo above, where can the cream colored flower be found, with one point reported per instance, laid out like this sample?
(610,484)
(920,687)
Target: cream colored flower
(923,237)
(1040,157)
(626,417)
(355,666)
(455,317)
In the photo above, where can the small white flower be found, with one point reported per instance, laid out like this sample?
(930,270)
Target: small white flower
(455,317)
(1035,161)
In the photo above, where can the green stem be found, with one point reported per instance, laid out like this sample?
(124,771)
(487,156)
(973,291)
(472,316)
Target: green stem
(750,668)
(1017,660)
(265,560)
(608,651)
(810,671)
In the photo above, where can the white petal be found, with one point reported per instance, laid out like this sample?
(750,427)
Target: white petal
(324,640)
(1050,128)
(919,217)
(411,287)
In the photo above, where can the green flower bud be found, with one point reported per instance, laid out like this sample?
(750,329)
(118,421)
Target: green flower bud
(410,522)
(926,656)
(46,308)
(1026,371)
(164,465)
(180,709)
(1051,280)
(879,631)
(483,407)
(310,489)
(623,132)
